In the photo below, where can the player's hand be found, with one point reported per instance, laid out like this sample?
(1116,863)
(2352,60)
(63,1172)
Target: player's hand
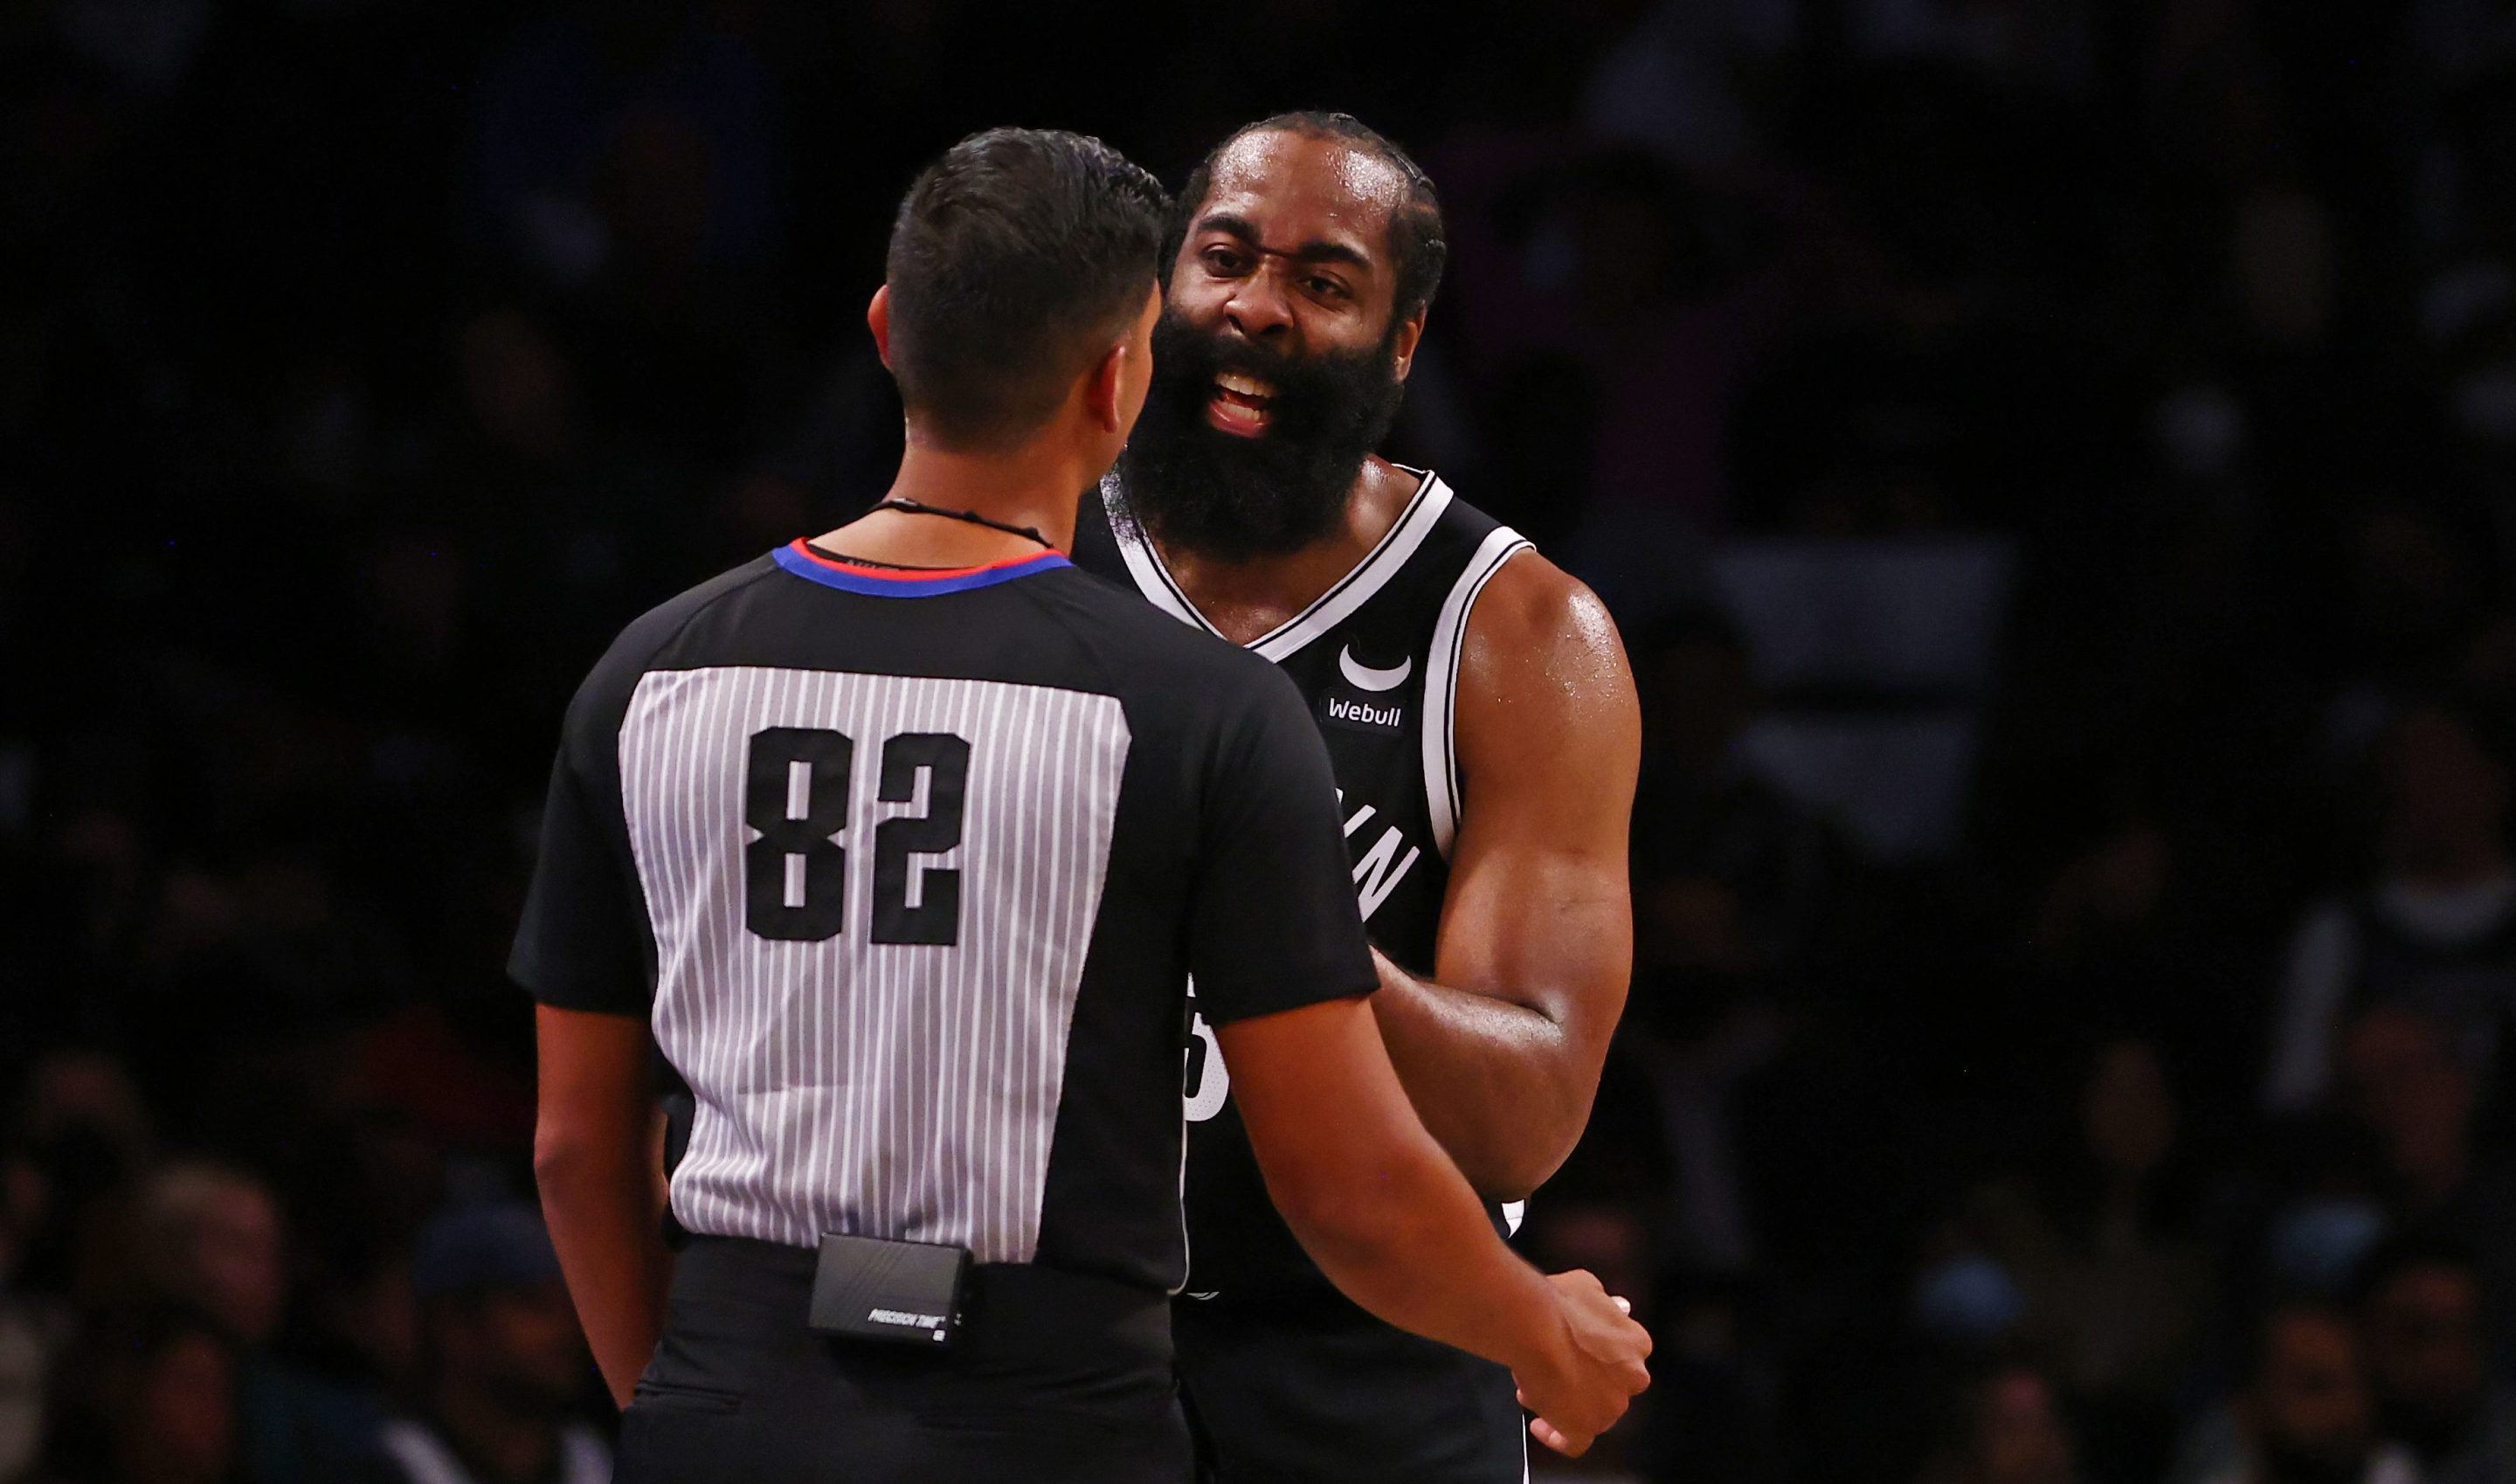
(1594,1371)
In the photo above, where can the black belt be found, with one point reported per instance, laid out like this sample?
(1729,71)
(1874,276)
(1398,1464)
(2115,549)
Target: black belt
(1016,1314)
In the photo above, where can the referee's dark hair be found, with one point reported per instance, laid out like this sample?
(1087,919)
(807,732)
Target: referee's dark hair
(1015,260)
(1419,245)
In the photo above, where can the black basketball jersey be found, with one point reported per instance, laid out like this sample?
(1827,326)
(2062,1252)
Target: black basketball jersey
(906,871)
(1377,659)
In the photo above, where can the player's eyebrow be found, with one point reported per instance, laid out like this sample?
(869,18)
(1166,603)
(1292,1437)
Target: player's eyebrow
(1316,250)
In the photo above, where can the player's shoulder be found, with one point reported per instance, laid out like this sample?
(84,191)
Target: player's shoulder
(1541,663)
(1534,611)
(1523,602)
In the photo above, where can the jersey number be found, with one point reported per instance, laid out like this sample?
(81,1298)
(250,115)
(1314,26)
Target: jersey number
(795,794)
(1208,1082)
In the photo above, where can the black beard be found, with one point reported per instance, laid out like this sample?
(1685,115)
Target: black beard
(1195,488)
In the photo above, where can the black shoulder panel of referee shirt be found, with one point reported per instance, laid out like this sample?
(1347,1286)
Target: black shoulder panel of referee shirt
(908,871)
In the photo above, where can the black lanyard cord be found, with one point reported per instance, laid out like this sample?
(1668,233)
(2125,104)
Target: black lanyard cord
(921,508)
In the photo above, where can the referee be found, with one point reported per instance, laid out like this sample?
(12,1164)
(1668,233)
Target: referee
(901,845)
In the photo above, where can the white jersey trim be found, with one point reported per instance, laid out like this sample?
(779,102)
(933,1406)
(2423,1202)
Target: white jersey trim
(1442,793)
(1331,608)
(1152,579)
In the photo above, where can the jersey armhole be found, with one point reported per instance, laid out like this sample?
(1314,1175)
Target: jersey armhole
(1442,793)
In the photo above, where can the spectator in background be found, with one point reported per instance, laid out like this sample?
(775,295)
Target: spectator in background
(2304,1416)
(2008,1429)
(2403,1084)
(210,1236)
(1738,880)
(65,1162)
(2419,1306)
(30,1328)
(211,1239)
(87,1139)
(147,1397)
(2436,929)
(2397,1150)
(502,1360)
(2410,1095)
(2099,1240)
(1612,310)
(1733,885)
(2133,930)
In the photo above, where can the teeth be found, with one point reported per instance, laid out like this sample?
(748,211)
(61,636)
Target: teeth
(1234,380)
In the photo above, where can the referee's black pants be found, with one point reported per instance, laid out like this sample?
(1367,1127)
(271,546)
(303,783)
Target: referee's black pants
(1056,1378)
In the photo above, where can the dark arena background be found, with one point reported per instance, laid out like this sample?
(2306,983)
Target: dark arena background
(2053,462)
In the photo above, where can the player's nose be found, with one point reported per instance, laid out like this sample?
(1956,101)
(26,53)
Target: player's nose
(1259,308)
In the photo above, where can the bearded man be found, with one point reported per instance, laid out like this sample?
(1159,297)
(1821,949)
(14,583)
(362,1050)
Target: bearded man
(1481,718)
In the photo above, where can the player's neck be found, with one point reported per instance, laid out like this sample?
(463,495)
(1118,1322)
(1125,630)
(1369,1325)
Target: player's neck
(1251,597)
(1023,488)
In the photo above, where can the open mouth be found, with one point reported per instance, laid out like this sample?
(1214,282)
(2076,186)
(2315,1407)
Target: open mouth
(1238,404)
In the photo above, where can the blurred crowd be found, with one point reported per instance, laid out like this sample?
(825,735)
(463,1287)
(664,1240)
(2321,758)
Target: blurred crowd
(2053,461)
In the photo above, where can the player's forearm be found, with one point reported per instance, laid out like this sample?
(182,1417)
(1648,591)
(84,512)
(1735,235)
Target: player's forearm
(600,1197)
(1414,1248)
(1502,1086)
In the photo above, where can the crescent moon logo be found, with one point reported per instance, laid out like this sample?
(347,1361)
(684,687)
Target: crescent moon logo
(1364,676)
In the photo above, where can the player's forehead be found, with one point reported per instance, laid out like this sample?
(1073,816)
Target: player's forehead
(1302,188)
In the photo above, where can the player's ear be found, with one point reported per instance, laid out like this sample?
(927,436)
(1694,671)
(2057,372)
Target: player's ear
(1104,388)
(878,320)
(1411,331)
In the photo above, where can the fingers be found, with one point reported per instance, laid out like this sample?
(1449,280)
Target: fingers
(1623,1305)
(1570,1445)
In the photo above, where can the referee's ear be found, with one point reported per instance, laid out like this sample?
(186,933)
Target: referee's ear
(1113,391)
(878,320)
(1105,391)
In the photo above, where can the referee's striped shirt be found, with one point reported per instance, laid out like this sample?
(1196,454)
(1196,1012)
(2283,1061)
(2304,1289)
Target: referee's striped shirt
(908,872)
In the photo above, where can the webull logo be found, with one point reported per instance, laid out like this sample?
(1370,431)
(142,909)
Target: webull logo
(1363,712)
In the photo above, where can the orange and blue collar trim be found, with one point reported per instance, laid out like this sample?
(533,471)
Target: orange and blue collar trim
(800,558)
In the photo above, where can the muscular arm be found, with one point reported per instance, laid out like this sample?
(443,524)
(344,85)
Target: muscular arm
(601,1172)
(1372,1198)
(1500,1052)
(1394,1227)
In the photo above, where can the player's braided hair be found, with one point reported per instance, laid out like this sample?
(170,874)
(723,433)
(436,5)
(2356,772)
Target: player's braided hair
(1419,244)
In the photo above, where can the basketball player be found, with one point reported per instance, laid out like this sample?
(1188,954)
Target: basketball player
(1480,719)
(900,844)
